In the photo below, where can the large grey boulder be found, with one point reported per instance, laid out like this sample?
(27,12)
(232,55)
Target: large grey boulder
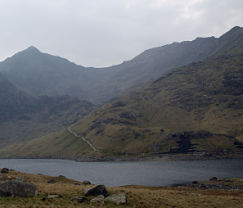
(119,198)
(100,199)
(16,188)
(96,190)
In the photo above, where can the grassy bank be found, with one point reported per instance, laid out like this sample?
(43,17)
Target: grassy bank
(137,196)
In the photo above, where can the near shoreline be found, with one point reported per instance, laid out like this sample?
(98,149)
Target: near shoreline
(60,192)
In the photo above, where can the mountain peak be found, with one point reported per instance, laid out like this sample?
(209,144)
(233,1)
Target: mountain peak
(32,49)
(232,32)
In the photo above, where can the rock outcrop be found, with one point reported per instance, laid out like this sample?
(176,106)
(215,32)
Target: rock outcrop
(119,198)
(16,188)
(100,199)
(96,190)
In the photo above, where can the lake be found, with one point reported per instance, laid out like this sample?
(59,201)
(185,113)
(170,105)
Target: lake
(159,173)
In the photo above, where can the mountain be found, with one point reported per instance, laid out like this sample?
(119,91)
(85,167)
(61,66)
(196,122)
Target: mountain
(14,102)
(195,109)
(43,74)
(24,116)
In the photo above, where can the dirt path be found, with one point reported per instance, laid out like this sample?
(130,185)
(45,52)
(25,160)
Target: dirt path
(85,140)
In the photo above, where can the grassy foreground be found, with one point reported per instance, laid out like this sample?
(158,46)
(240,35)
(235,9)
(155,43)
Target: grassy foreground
(137,196)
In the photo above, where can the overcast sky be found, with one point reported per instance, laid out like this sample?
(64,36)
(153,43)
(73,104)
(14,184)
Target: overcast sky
(107,32)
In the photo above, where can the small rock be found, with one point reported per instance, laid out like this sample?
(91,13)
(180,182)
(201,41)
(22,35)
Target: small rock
(202,186)
(100,199)
(52,196)
(15,188)
(80,199)
(96,190)
(118,199)
(51,181)
(19,179)
(213,179)
(5,170)
(86,182)
(43,199)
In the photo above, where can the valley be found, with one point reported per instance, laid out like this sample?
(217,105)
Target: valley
(194,110)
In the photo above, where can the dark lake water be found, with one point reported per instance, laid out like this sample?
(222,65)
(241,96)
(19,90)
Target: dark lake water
(126,173)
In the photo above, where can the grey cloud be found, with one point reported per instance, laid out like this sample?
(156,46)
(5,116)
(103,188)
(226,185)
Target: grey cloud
(106,32)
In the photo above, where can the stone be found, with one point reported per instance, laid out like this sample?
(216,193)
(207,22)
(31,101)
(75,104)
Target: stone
(195,182)
(202,186)
(119,198)
(16,188)
(100,199)
(213,179)
(43,199)
(96,190)
(80,199)
(51,181)
(5,170)
(19,179)
(52,196)
(86,182)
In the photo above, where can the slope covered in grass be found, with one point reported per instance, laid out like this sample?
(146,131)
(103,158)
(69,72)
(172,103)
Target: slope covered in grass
(194,109)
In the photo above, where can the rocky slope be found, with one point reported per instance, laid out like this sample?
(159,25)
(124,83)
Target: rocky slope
(24,116)
(196,109)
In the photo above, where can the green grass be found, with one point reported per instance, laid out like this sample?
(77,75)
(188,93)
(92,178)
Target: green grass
(204,96)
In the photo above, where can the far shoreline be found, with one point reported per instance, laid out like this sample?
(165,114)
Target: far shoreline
(149,158)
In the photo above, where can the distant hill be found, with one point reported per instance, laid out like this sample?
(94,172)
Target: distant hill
(43,74)
(24,116)
(195,109)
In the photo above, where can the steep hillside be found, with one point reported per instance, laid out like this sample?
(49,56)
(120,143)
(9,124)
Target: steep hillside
(44,74)
(194,109)
(24,116)
(14,102)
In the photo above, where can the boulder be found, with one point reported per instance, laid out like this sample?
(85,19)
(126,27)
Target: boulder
(77,184)
(100,199)
(96,190)
(5,170)
(51,181)
(80,199)
(213,179)
(53,196)
(195,182)
(19,179)
(86,182)
(16,188)
(118,199)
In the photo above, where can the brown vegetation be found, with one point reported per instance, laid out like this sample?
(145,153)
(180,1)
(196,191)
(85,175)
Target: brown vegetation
(138,196)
